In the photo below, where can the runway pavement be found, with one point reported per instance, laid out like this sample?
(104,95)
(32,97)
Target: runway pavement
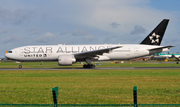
(98,68)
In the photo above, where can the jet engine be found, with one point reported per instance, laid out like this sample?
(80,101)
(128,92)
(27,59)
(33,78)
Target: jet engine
(66,60)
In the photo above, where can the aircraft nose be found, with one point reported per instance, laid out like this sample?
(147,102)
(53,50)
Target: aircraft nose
(7,55)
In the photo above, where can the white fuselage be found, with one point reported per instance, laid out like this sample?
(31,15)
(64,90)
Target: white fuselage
(51,52)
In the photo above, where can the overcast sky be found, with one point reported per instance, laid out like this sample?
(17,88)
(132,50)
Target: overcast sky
(52,22)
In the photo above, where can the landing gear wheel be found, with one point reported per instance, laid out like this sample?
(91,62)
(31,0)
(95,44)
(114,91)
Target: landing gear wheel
(92,66)
(84,66)
(89,66)
(20,66)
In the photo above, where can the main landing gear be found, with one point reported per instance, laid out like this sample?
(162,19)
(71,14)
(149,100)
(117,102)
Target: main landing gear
(88,66)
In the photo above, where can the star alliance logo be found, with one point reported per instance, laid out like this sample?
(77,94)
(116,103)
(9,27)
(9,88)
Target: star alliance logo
(154,38)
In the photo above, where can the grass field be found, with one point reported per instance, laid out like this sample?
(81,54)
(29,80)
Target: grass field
(90,86)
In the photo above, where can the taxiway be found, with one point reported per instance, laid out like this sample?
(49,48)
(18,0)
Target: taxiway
(90,69)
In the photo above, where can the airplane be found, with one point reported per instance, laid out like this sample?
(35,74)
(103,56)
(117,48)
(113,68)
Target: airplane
(66,55)
(168,55)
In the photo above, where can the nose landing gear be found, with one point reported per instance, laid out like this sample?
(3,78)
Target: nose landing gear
(20,66)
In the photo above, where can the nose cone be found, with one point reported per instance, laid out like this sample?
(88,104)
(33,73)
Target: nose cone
(8,56)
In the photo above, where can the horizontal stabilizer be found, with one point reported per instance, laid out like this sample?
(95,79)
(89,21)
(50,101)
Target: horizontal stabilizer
(160,48)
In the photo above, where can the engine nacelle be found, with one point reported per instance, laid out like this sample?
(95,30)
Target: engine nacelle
(66,60)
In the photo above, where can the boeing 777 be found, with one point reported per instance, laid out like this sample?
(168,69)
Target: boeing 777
(66,55)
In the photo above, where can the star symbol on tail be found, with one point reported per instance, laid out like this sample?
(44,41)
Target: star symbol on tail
(154,38)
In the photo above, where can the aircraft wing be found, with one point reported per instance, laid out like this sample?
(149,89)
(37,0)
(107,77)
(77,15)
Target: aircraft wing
(160,48)
(95,52)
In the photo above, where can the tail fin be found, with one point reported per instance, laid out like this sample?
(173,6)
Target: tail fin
(156,36)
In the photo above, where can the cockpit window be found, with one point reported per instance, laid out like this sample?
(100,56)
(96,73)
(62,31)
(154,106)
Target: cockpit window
(9,51)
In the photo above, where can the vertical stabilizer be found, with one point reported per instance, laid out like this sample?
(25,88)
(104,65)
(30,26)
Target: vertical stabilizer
(156,36)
